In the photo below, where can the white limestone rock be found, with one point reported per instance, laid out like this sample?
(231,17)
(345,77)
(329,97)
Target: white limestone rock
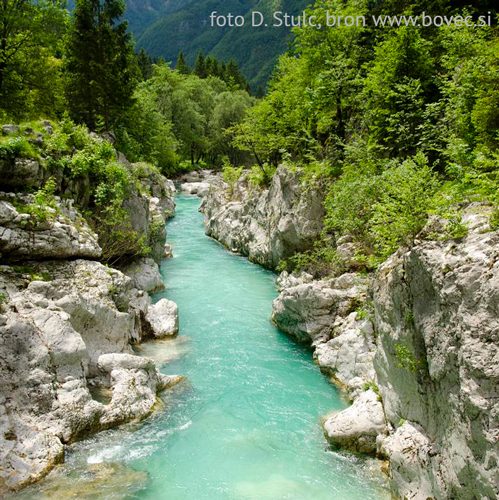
(64,234)
(145,275)
(163,318)
(358,427)
(267,225)
(200,189)
(437,325)
(66,326)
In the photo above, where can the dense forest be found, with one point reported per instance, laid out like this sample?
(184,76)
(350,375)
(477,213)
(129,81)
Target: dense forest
(397,123)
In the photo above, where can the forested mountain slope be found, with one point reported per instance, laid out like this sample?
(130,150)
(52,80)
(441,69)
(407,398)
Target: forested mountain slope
(184,25)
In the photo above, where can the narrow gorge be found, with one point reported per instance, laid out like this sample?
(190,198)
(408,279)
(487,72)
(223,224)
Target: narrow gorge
(413,346)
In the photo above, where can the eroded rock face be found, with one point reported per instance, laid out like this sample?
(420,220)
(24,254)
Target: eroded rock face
(58,233)
(307,310)
(327,314)
(437,321)
(66,327)
(431,353)
(269,225)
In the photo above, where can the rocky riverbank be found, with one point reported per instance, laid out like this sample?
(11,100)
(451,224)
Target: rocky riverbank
(266,225)
(414,346)
(68,322)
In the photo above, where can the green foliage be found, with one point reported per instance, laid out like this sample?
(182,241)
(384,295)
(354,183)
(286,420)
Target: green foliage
(365,311)
(406,358)
(3,298)
(373,386)
(455,229)
(30,66)
(101,64)
(402,207)
(44,206)
(260,176)
(181,117)
(322,261)
(494,220)
(31,273)
(231,175)
(17,146)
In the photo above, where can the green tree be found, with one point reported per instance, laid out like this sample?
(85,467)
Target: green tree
(200,66)
(145,63)
(30,77)
(101,64)
(181,65)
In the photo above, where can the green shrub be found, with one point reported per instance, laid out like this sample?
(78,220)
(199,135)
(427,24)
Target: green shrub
(261,176)
(371,385)
(402,207)
(44,206)
(231,175)
(17,147)
(494,220)
(406,358)
(321,261)
(456,229)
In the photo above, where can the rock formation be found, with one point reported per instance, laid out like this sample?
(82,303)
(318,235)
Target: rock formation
(68,323)
(67,327)
(265,225)
(430,356)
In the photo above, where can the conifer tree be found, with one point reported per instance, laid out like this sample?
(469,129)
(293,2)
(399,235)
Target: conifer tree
(200,66)
(101,63)
(145,63)
(181,65)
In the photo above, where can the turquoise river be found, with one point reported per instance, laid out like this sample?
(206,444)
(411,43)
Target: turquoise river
(246,422)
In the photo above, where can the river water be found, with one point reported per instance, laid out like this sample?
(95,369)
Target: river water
(246,424)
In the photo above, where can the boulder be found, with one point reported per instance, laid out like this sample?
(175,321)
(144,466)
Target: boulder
(10,129)
(199,188)
(123,361)
(145,275)
(163,318)
(20,174)
(358,427)
(307,309)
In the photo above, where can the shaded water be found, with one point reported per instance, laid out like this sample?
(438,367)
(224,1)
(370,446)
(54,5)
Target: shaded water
(246,425)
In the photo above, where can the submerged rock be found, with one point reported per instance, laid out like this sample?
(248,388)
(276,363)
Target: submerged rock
(110,480)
